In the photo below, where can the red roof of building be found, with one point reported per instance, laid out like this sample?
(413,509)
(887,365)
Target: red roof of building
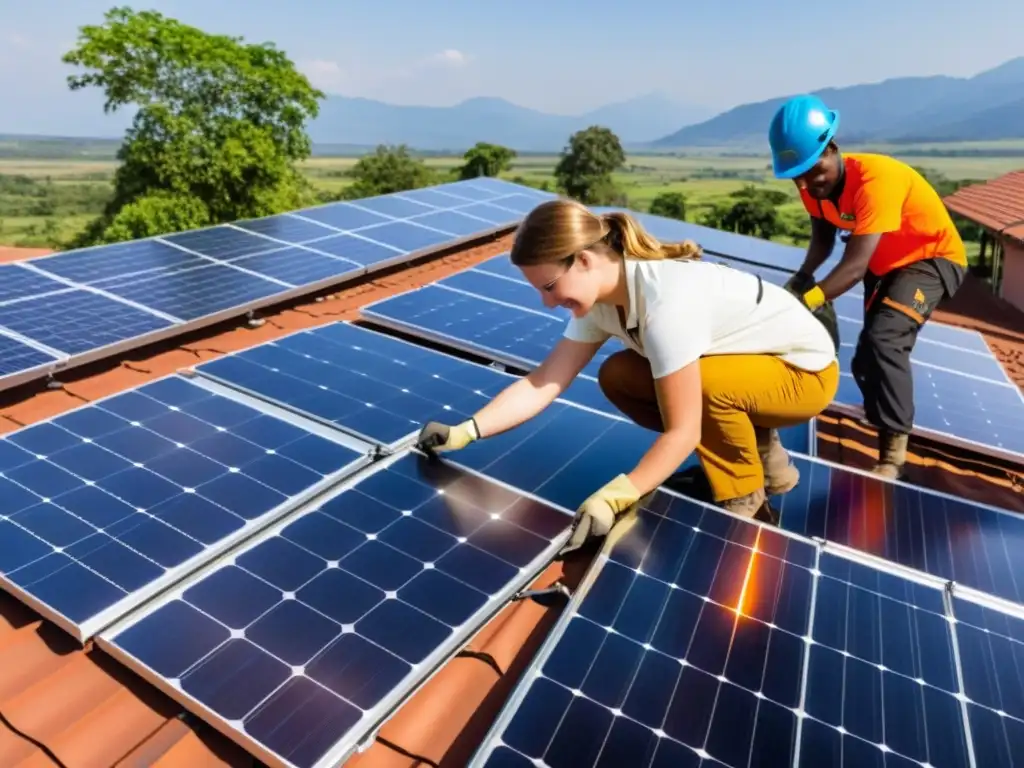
(997,204)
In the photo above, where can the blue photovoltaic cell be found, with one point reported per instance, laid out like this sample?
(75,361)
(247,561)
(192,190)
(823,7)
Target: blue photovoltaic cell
(356,249)
(17,282)
(970,409)
(82,321)
(692,643)
(452,221)
(991,646)
(492,212)
(95,264)
(514,333)
(104,502)
(489,286)
(343,216)
(953,359)
(309,637)
(934,533)
(297,266)
(16,356)
(375,385)
(287,228)
(406,236)
(508,333)
(438,199)
(395,206)
(221,242)
(197,292)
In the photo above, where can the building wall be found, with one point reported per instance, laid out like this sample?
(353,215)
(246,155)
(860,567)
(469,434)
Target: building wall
(1013,273)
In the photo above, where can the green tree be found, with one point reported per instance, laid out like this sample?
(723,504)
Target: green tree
(388,169)
(756,217)
(671,205)
(585,168)
(486,160)
(767,194)
(219,127)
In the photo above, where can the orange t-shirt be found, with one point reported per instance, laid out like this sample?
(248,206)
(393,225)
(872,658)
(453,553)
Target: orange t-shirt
(885,196)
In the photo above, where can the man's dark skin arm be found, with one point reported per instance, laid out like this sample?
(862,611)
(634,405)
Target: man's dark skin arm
(852,268)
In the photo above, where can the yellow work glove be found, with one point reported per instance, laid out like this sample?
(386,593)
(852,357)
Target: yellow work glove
(598,513)
(438,438)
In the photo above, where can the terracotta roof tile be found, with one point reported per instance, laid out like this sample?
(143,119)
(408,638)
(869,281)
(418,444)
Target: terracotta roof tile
(997,204)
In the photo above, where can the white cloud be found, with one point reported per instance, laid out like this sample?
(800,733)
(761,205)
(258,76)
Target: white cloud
(323,73)
(450,57)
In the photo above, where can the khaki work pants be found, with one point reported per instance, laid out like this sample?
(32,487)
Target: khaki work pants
(739,392)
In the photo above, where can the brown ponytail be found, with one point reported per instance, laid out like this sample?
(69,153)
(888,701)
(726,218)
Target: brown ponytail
(558,229)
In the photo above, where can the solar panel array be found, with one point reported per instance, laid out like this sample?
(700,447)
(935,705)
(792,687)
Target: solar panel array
(491,308)
(303,642)
(69,308)
(257,539)
(698,639)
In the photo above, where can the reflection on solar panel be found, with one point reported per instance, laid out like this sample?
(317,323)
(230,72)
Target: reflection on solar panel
(300,644)
(950,538)
(699,637)
(378,387)
(140,291)
(508,334)
(105,505)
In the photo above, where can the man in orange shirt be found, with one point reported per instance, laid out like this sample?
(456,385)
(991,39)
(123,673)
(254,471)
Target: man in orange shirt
(902,244)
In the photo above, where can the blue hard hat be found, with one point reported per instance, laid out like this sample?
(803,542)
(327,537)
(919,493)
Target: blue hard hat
(799,133)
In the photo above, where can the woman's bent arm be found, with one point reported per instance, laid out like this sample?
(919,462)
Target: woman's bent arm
(527,397)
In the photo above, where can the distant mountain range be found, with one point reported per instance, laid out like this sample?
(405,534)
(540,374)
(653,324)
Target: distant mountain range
(358,121)
(986,107)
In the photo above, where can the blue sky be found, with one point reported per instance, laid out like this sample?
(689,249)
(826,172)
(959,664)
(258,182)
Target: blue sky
(563,56)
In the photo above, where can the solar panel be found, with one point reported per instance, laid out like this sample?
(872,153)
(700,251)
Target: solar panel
(301,643)
(18,357)
(701,638)
(991,645)
(78,321)
(103,506)
(19,282)
(950,538)
(373,385)
(512,335)
(179,281)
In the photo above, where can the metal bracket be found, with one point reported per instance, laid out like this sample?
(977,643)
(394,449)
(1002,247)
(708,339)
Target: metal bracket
(557,588)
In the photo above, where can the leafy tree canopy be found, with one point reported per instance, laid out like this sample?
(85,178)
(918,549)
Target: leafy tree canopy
(486,160)
(218,128)
(671,205)
(585,169)
(388,169)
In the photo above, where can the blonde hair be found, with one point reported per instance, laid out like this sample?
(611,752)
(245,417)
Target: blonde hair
(559,229)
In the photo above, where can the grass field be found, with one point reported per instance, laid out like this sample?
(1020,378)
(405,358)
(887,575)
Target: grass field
(702,176)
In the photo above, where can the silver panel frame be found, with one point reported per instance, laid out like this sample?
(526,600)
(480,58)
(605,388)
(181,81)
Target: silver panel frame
(361,735)
(86,630)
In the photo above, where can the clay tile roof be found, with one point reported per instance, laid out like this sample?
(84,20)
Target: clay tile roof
(997,204)
(9,253)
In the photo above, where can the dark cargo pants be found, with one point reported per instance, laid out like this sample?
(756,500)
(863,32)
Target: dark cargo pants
(896,305)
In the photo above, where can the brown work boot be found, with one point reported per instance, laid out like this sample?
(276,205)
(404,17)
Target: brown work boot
(780,474)
(754,506)
(892,454)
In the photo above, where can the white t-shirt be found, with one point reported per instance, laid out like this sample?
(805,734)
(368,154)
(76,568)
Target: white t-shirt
(681,310)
